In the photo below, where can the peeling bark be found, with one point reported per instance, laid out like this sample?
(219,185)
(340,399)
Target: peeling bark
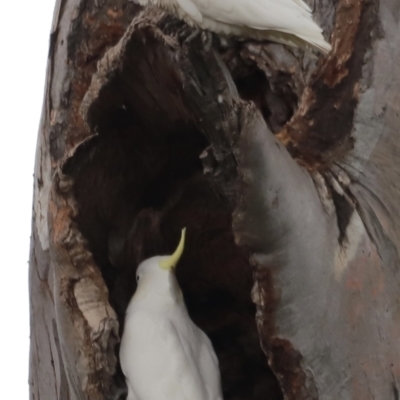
(281,166)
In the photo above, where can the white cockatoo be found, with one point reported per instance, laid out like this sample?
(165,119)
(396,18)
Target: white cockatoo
(163,354)
(283,21)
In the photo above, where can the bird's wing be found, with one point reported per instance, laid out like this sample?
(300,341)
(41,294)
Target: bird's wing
(209,367)
(288,16)
(158,362)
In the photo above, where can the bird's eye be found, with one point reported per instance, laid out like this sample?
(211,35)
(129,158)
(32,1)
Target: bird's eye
(137,278)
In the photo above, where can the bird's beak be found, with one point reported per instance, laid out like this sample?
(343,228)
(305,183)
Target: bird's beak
(170,262)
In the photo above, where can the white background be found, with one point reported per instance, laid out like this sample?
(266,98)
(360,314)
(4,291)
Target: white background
(24,38)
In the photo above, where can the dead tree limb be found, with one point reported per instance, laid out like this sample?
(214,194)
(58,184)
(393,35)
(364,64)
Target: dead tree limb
(282,167)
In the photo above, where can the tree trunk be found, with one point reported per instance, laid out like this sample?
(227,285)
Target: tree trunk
(282,167)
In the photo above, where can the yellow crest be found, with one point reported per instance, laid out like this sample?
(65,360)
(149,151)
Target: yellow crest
(172,260)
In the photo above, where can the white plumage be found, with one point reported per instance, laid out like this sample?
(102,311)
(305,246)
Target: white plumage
(283,21)
(163,354)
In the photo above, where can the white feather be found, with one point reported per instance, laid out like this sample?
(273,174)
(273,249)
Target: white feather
(259,19)
(191,10)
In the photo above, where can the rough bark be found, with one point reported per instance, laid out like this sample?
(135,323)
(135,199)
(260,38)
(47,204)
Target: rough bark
(281,166)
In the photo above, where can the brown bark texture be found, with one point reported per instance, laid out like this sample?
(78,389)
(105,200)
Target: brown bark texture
(283,166)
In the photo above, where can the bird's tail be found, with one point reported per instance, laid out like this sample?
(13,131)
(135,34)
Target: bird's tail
(302,41)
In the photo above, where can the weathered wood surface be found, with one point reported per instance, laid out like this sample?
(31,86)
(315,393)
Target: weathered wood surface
(148,135)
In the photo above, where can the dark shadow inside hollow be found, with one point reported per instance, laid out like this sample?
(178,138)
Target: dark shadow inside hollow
(277,107)
(137,183)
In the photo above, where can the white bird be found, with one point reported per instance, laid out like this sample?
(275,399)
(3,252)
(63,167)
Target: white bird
(283,21)
(163,354)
